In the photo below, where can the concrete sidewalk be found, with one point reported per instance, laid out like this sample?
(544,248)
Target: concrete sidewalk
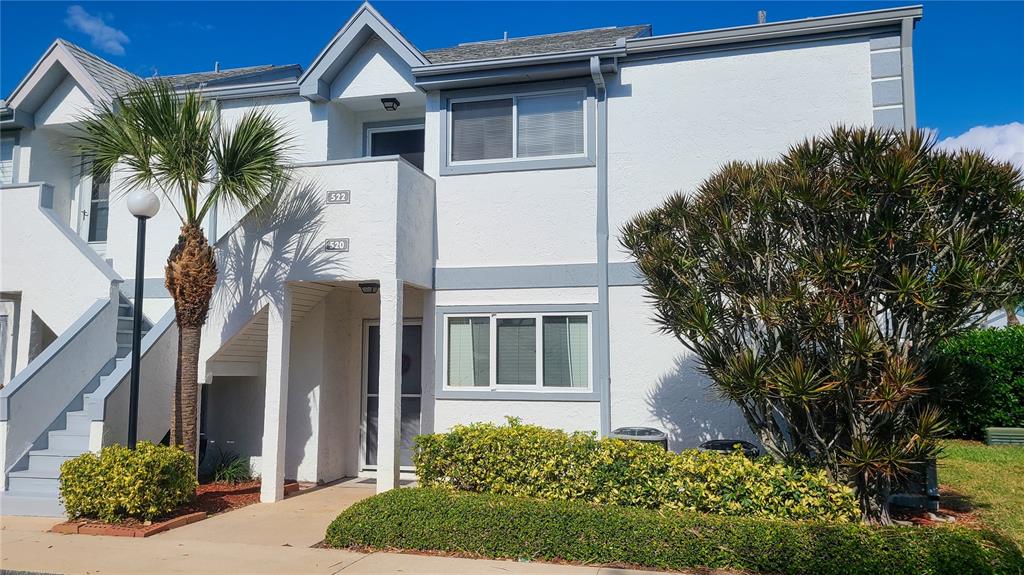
(262,538)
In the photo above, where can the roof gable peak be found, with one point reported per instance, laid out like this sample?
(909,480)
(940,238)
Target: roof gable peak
(314,84)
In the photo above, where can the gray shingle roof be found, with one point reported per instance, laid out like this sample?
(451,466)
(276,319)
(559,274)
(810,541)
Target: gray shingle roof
(536,45)
(111,78)
(232,74)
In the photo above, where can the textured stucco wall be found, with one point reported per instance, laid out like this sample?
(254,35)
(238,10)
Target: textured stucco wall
(673,121)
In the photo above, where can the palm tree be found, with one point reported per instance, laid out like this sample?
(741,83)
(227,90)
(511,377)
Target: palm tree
(155,137)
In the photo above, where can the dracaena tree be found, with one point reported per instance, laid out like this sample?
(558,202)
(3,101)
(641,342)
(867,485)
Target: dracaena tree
(155,137)
(813,290)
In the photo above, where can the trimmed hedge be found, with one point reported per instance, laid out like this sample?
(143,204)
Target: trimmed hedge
(146,483)
(978,378)
(506,527)
(532,461)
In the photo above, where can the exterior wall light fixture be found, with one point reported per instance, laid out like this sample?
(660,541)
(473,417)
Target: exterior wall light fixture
(390,104)
(369,287)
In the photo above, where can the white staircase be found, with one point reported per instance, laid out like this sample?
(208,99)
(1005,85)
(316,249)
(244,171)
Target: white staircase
(32,487)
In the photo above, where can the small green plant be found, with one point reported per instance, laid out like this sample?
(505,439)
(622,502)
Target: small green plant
(232,468)
(532,461)
(978,378)
(144,483)
(501,526)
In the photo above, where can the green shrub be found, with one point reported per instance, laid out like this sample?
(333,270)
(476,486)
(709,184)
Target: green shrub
(507,527)
(978,378)
(146,483)
(531,461)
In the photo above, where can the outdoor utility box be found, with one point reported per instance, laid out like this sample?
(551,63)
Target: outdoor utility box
(642,434)
(729,446)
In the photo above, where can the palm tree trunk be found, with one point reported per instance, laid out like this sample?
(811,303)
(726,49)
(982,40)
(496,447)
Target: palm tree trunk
(191,273)
(1011,315)
(188,386)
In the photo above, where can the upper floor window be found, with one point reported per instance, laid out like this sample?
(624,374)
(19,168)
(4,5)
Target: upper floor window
(6,159)
(523,126)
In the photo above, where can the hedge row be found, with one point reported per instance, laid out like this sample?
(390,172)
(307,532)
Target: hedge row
(978,378)
(506,527)
(144,483)
(532,461)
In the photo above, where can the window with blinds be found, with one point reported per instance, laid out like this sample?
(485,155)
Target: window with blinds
(482,130)
(522,351)
(469,351)
(517,351)
(524,126)
(6,159)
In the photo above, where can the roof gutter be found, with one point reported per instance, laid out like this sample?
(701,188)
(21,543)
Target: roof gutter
(576,63)
(775,30)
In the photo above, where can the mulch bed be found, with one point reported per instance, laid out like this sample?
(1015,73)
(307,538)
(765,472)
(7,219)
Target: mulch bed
(211,499)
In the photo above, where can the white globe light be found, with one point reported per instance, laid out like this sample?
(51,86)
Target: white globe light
(143,203)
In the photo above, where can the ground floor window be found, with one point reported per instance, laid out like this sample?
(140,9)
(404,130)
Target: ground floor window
(518,351)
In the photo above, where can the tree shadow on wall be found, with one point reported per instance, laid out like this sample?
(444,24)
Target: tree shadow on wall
(690,410)
(272,245)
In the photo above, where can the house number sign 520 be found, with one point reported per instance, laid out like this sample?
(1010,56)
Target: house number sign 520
(336,245)
(339,197)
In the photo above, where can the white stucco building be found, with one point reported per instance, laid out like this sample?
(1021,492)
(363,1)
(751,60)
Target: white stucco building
(450,256)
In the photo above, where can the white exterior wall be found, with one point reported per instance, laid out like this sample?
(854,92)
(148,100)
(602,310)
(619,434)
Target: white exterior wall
(674,121)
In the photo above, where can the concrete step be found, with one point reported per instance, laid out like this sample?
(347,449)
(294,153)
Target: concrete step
(78,422)
(41,481)
(18,502)
(68,441)
(50,459)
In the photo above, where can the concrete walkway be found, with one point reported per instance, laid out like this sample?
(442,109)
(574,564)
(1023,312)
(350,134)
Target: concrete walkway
(262,538)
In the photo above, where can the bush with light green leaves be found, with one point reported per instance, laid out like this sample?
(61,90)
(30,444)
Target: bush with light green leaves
(119,483)
(531,461)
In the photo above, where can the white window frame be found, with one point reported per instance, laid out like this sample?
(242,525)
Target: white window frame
(370,131)
(514,96)
(538,386)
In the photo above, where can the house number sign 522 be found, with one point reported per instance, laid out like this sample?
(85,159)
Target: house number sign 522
(339,196)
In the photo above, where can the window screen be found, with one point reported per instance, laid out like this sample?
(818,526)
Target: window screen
(517,351)
(469,351)
(566,351)
(550,125)
(482,130)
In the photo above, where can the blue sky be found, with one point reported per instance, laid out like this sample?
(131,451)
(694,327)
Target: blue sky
(968,56)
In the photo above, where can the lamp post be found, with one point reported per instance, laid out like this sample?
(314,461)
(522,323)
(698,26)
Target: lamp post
(143,204)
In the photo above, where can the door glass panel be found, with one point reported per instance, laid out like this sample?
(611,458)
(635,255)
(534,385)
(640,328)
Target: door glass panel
(405,143)
(99,205)
(411,392)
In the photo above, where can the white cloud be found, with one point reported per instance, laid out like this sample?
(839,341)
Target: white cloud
(104,37)
(1005,142)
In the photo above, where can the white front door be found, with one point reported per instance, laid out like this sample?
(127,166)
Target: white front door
(412,391)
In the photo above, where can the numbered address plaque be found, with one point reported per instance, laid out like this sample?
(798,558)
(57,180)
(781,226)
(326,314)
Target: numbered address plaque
(339,196)
(336,245)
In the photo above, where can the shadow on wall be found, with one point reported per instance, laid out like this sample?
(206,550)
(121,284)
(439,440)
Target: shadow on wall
(691,411)
(269,247)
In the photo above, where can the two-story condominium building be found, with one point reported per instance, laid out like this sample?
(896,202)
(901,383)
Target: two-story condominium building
(448,254)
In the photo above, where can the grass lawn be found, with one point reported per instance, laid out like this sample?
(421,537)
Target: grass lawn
(991,479)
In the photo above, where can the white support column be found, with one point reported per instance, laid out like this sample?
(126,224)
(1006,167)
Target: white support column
(275,413)
(389,414)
